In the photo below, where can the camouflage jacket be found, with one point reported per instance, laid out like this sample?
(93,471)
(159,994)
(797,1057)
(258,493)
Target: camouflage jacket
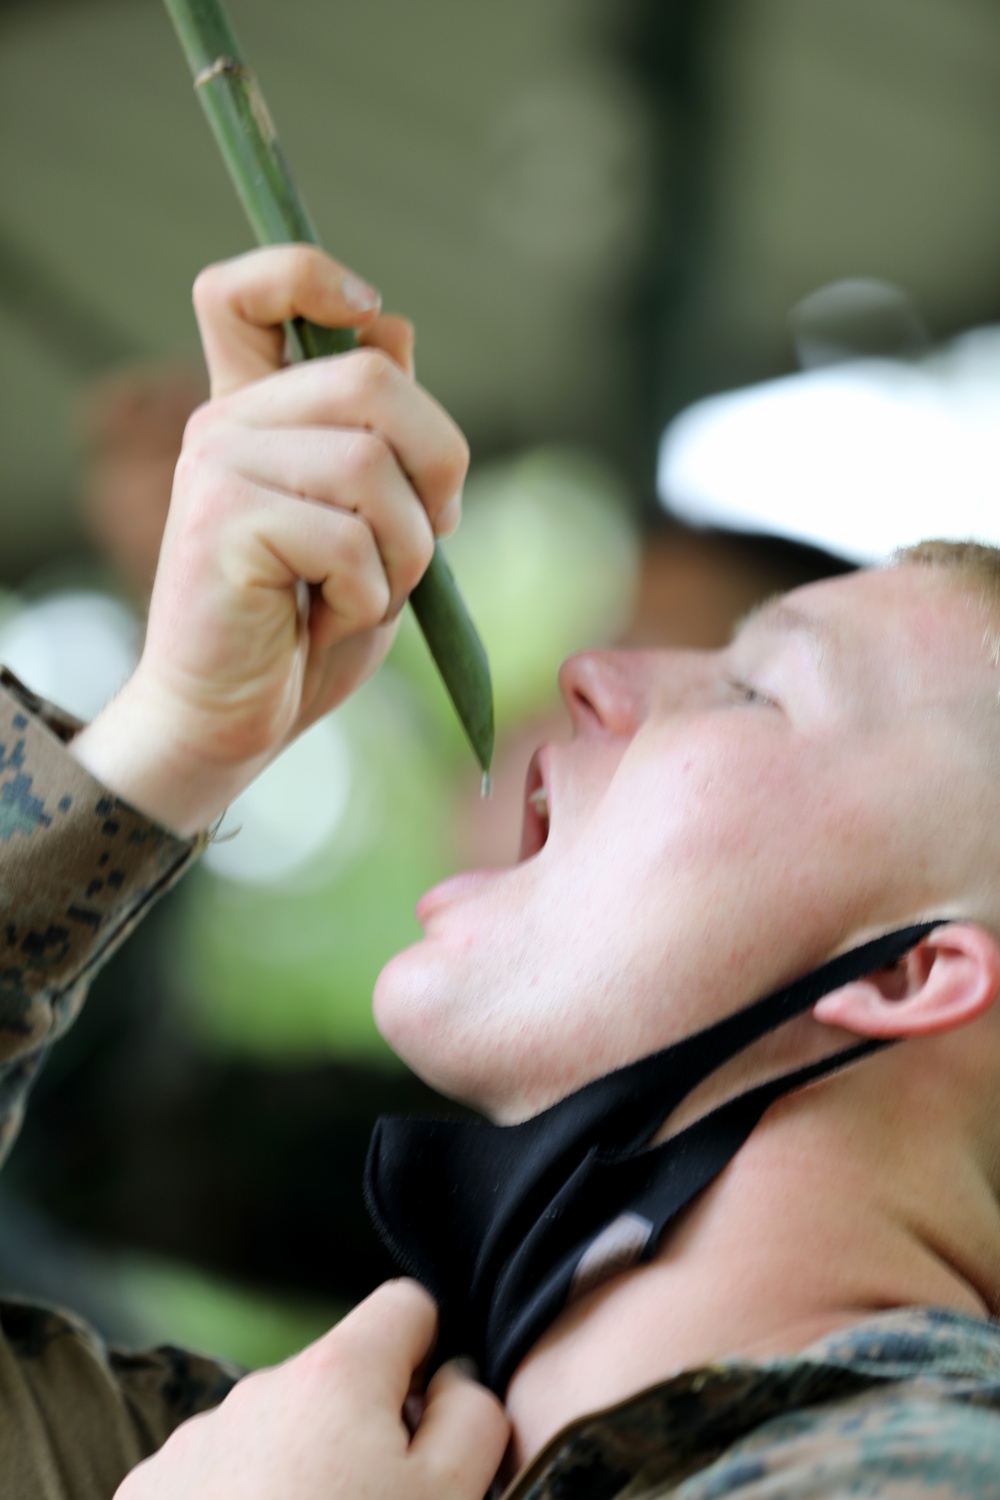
(905,1406)
(78,868)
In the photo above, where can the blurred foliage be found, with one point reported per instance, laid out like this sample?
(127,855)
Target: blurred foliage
(181,1305)
(548,556)
(287,968)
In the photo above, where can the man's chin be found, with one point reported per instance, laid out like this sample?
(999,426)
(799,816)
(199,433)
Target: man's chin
(408,1004)
(425,1012)
(389,995)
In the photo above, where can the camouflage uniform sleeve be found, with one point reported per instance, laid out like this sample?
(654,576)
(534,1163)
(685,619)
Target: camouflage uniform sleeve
(76,1416)
(904,1442)
(78,869)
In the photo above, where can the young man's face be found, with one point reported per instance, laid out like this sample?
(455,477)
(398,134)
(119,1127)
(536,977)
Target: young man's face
(720,823)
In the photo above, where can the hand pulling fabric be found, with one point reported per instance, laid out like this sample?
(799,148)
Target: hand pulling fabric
(506,1224)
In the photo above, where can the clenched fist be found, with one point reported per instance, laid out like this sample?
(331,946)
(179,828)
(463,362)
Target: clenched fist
(305,506)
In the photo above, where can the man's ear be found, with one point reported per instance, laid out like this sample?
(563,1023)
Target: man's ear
(950,977)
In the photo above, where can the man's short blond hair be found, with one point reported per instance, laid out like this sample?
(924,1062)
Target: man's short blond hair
(975,568)
(976,565)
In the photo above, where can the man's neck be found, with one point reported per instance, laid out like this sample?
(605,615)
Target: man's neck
(795,1239)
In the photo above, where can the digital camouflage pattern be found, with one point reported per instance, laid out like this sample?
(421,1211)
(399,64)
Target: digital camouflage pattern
(78,869)
(905,1406)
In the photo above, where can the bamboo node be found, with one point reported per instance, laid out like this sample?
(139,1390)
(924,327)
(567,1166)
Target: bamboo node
(259,110)
(223,67)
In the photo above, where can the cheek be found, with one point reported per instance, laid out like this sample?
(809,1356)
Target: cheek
(720,795)
(753,818)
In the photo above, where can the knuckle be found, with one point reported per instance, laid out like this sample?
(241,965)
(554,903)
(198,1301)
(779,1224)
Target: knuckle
(424,549)
(191,469)
(463,453)
(361,602)
(308,270)
(245,1395)
(372,371)
(324,1366)
(356,549)
(200,464)
(447,472)
(207,495)
(448,1475)
(373,604)
(201,425)
(209,287)
(366,457)
(318,1362)
(417,559)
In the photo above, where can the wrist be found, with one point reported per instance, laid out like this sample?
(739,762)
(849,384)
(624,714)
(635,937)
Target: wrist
(137,749)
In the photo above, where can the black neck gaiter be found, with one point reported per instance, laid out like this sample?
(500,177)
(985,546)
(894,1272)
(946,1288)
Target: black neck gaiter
(504,1225)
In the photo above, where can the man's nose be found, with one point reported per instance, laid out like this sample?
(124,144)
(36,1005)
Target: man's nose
(605,691)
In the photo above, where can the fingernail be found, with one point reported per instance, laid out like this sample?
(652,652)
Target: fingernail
(359,295)
(449,516)
(466,1366)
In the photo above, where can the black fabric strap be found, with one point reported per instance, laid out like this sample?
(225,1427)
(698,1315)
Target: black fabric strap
(532,1288)
(495,1220)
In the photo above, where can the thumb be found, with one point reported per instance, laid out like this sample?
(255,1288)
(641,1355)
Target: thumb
(241,305)
(463,1434)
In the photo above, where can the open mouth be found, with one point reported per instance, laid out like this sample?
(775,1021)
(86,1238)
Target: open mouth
(535,828)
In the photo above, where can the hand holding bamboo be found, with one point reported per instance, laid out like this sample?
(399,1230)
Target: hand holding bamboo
(250,148)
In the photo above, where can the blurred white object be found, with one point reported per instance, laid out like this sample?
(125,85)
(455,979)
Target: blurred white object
(75,648)
(857,458)
(291,813)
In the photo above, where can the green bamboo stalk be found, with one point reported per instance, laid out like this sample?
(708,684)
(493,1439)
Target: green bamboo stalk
(249,144)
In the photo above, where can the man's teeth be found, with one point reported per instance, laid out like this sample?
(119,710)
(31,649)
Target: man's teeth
(539,800)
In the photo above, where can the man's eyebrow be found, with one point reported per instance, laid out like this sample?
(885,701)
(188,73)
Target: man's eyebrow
(777,615)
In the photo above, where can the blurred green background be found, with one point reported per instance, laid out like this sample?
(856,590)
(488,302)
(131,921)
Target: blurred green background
(595,211)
